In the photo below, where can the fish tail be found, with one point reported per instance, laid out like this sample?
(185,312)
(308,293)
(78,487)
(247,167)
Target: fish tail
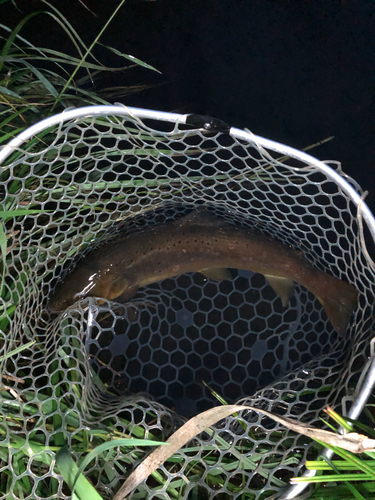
(339,303)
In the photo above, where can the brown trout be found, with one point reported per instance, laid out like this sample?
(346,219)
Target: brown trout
(200,242)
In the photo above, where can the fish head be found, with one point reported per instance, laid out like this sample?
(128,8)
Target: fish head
(76,286)
(86,282)
(58,302)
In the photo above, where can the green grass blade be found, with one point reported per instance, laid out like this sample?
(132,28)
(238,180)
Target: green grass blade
(340,465)
(87,54)
(3,239)
(110,445)
(13,2)
(351,459)
(68,28)
(5,91)
(351,487)
(365,428)
(41,78)
(11,135)
(37,73)
(13,116)
(69,469)
(334,478)
(70,60)
(4,214)
(13,36)
(3,248)
(339,419)
(131,58)
(17,350)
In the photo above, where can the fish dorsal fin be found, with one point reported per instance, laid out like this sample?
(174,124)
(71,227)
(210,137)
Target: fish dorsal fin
(283,287)
(201,216)
(217,274)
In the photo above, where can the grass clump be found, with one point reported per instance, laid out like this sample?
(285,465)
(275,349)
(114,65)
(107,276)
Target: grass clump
(36,82)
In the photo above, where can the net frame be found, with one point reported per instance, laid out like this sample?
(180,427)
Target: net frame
(264,146)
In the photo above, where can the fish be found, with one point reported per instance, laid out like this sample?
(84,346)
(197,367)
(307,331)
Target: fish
(200,242)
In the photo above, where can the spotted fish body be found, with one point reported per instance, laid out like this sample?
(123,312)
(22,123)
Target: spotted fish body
(200,242)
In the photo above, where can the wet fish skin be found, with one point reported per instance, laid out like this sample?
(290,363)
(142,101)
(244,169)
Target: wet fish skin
(200,242)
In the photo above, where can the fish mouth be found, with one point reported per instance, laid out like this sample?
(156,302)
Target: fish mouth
(58,306)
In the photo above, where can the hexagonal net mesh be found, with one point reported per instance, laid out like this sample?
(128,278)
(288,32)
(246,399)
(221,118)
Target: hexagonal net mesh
(139,368)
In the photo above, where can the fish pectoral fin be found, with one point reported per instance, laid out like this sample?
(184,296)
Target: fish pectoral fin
(217,274)
(127,294)
(283,287)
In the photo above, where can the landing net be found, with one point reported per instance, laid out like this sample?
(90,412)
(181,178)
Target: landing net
(138,368)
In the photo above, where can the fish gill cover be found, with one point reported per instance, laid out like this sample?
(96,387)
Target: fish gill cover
(141,367)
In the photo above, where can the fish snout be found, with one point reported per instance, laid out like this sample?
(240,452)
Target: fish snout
(57,306)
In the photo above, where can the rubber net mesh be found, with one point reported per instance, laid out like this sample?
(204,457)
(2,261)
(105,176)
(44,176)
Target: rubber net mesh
(138,368)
